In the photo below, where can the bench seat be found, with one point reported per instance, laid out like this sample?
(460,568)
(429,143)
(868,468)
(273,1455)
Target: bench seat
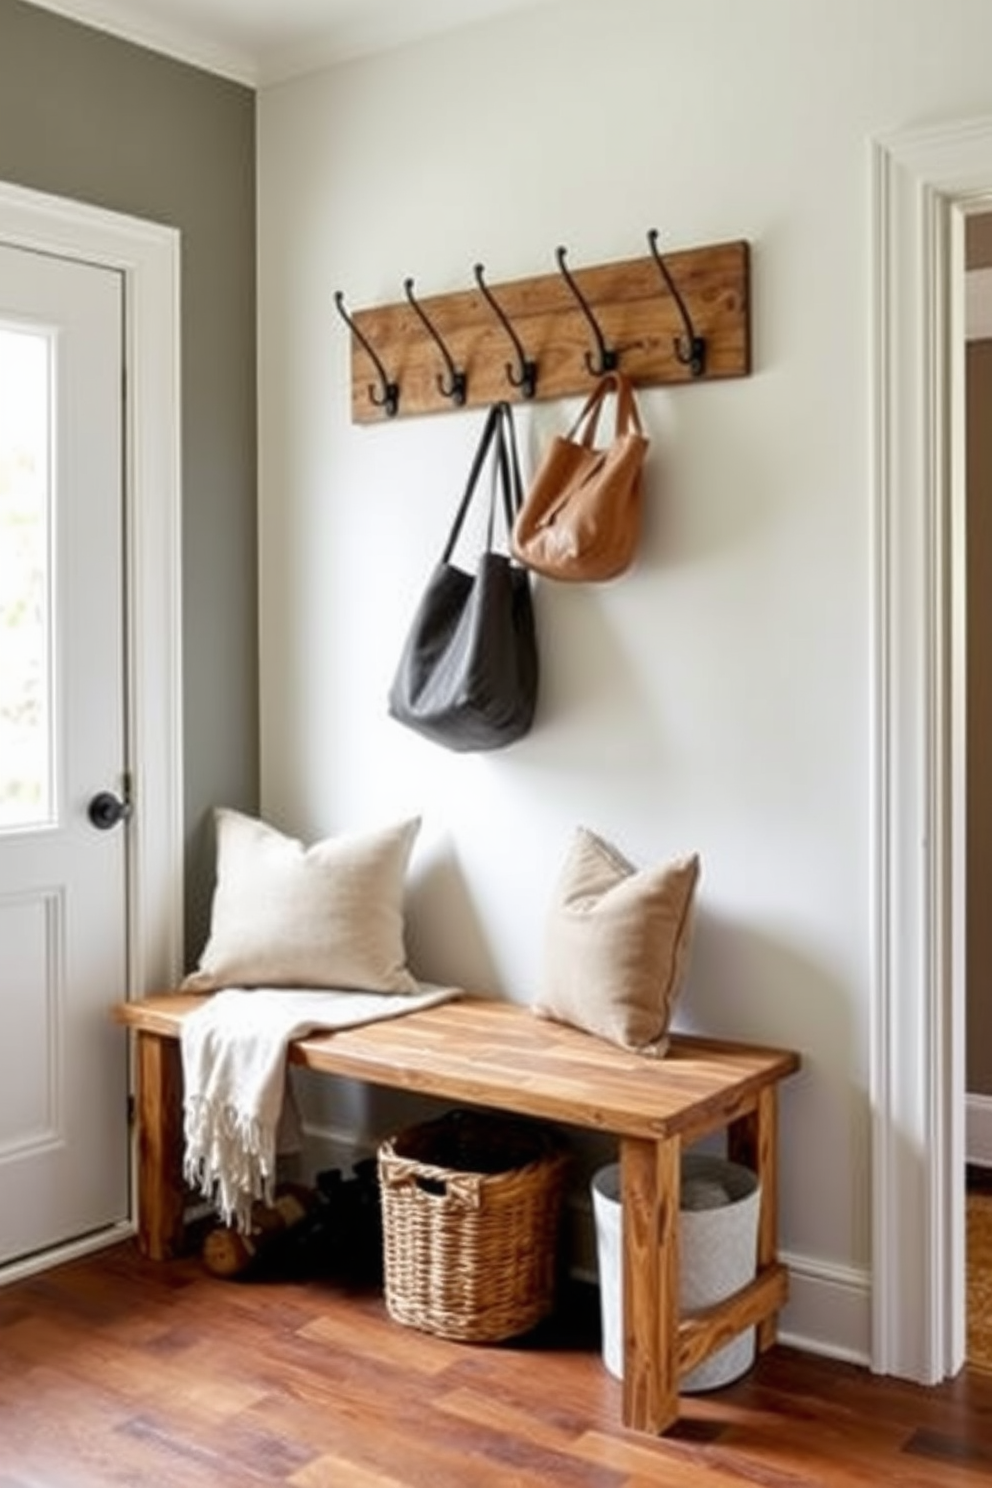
(497,1054)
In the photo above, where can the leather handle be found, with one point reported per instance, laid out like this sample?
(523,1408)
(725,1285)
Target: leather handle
(627,414)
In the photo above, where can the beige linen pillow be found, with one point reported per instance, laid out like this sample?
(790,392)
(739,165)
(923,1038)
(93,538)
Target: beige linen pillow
(616,944)
(330,915)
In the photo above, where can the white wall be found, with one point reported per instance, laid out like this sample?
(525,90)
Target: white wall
(716,699)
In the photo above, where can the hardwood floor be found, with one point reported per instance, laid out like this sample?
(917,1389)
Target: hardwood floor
(117,1371)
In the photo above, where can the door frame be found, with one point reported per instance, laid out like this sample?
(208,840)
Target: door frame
(148,257)
(924,183)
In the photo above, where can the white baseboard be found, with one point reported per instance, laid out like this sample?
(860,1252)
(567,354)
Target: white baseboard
(978,1130)
(331,1147)
(828,1311)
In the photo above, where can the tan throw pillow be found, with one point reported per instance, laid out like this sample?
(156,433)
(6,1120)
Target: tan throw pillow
(616,945)
(330,915)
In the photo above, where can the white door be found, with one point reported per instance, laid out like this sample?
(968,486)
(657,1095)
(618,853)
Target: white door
(63,913)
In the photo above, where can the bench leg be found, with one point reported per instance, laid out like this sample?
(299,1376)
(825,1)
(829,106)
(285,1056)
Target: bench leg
(649,1178)
(161,1193)
(753,1142)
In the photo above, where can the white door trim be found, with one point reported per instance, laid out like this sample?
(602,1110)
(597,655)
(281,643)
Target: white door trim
(923,185)
(147,255)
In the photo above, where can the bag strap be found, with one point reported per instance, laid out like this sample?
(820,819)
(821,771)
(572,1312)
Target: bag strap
(499,439)
(627,414)
(506,471)
(513,488)
(489,431)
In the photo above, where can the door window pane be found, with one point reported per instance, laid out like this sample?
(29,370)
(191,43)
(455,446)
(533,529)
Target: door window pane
(25,578)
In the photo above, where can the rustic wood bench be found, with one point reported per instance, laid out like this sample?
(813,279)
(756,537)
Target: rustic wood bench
(497,1054)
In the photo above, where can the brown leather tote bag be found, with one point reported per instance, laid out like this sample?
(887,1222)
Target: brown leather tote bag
(581,518)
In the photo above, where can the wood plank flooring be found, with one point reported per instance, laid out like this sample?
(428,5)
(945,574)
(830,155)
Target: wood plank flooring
(114,1371)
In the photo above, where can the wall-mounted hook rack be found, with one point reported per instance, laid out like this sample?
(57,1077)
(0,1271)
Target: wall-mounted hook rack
(639,317)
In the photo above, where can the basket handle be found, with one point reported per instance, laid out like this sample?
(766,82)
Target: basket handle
(399,1172)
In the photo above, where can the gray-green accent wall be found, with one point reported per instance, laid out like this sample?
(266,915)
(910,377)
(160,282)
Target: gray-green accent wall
(87,116)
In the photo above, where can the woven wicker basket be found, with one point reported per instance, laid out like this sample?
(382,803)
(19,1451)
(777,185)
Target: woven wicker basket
(470,1211)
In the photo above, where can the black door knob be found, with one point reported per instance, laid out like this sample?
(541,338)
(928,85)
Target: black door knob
(106,810)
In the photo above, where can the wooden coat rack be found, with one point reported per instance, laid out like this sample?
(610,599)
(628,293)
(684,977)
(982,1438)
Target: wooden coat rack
(681,318)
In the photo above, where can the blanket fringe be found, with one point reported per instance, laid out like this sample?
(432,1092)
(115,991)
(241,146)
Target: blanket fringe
(230,1158)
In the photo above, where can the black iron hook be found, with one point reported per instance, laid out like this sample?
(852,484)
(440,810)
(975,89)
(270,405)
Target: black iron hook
(525,377)
(457,381)
(690,349)
(389,397)
(608,358)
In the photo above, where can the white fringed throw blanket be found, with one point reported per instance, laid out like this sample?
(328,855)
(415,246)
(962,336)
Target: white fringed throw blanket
(234,1079)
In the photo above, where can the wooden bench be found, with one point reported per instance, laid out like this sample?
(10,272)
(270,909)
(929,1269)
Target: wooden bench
(498,1055)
